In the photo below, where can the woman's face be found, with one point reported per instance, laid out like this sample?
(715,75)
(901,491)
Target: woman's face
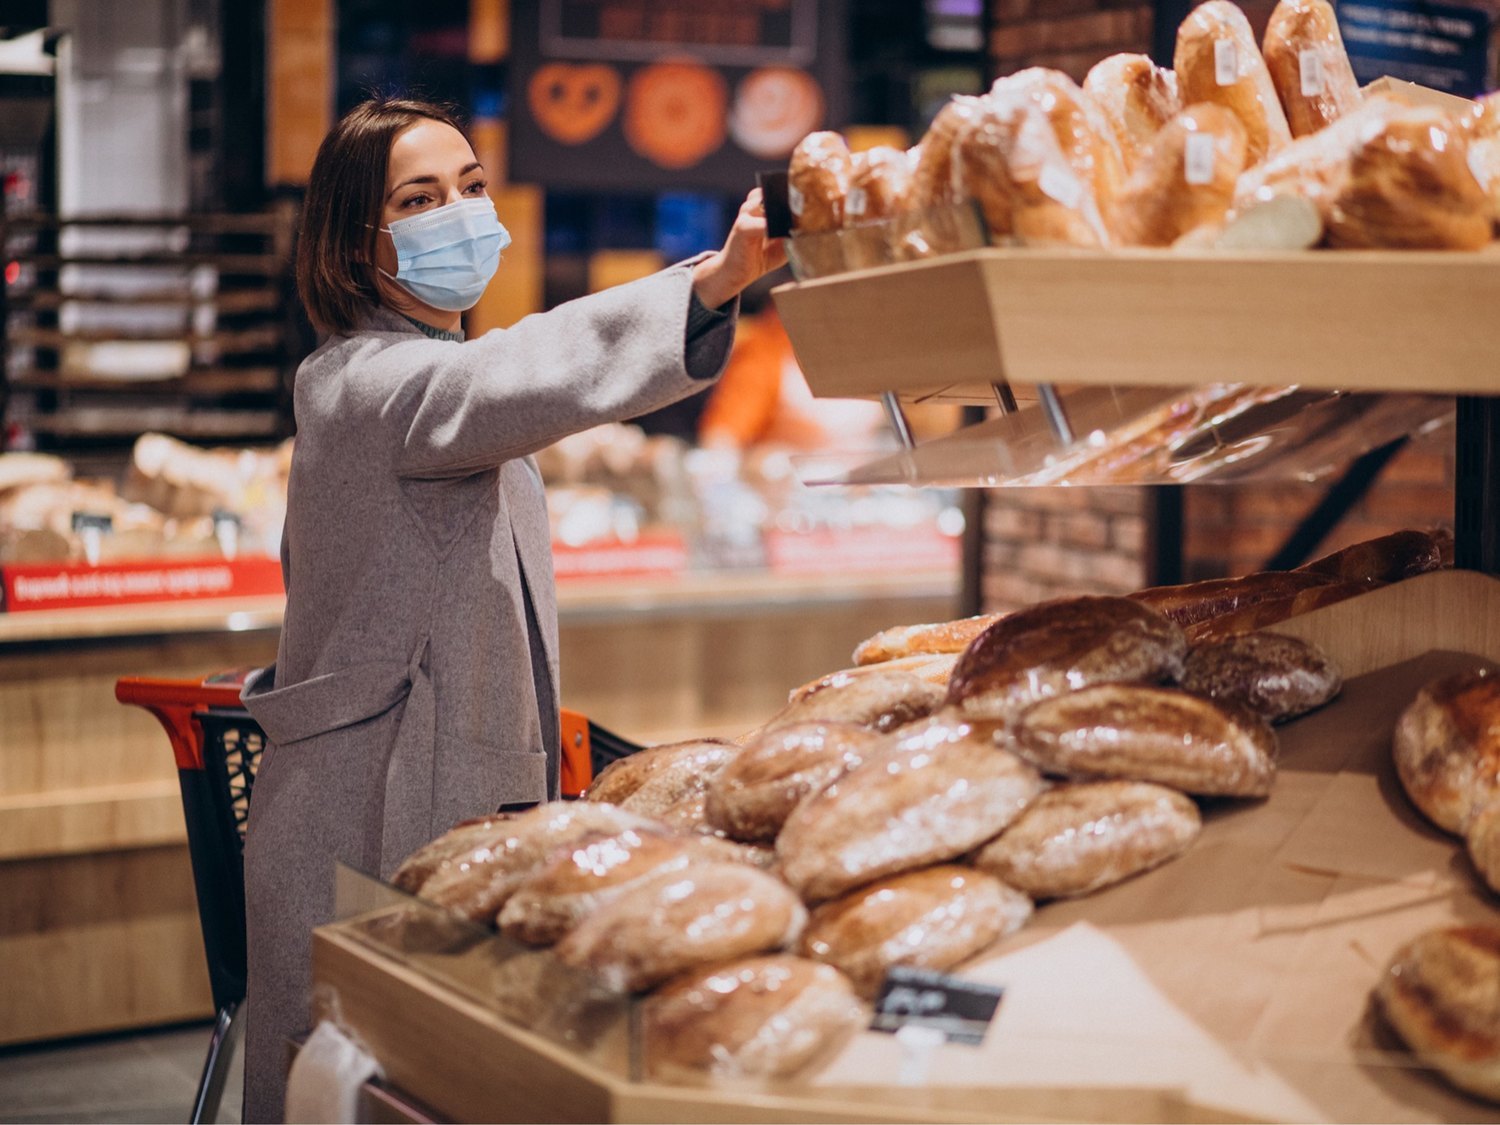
(430,165)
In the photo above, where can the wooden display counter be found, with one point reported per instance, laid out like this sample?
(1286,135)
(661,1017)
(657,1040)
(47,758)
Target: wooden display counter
(1230,984)
(98,924)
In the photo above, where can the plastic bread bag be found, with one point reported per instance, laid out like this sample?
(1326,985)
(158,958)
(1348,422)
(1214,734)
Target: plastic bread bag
(933,223)
(675,921)
(1083,131)
(929,919)
(1484,149)
(1011,164)
(1187,179)
(879,189)
(1217,60)
(1305,55)
(758,1018)
(1410,186)
(817,182)
(1137,97)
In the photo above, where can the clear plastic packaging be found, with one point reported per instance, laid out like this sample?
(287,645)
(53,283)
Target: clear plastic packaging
(879,189)
(1217,60)
(817,184)
(1077,839)
(928,919)
(1304,52)
(1136,732)
(1186,180)
(1278,677)
(1083,130)
(940,789)
(750,798)
(676,921)
(1137,98)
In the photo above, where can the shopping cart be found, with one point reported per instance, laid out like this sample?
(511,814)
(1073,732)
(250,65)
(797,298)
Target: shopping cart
(217,746)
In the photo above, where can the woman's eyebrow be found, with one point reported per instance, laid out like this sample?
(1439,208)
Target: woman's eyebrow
(431,179)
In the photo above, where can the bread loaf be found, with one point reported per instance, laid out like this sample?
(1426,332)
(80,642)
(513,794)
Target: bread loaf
(1447,747)
(933,668)
(1441,994)
(1137,97)
(916,640)
(1083,132)
(879,189)
(928,919)
(1265,614)
(468,836)
(1315,167)
(675,764)
(675,921)
(1193,602)
(1061,646)
(934,180)
(1186,180)
(477,882)
(1077,839)
(1305,55)
(939,790)
(818,182)
(1277,677)
(750,798)
(1140,733)
(1217,60)
(882,701)
(763,1017)
(1388,558)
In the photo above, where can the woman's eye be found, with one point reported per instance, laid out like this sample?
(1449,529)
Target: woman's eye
(476,188)
(421,199)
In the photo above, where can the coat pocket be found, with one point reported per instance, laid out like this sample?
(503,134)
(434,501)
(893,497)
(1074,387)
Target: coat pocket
(325,703)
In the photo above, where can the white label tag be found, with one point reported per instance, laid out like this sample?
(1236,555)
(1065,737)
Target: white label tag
(1226,62)
(1198,159)
(856,202)
(1310,62)
(794,200)
(1060,184)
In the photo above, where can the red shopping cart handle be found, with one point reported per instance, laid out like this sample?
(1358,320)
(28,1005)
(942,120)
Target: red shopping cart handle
(174,701)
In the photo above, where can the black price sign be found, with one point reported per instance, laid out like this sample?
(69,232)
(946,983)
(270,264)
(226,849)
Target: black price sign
(960,1009)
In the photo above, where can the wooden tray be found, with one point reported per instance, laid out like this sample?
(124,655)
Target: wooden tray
(946,329)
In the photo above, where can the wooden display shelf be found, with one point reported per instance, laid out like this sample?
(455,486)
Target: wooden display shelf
(949,327)
(1252,955)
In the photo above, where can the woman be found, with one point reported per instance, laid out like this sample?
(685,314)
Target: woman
(416,678)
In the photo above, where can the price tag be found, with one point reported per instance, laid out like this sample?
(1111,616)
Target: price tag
(1062,185)
(91,528)
(856,202)
(1198,159)
(1226,62)
(1314,81)
(795,200)
(227,527)
(961,1010)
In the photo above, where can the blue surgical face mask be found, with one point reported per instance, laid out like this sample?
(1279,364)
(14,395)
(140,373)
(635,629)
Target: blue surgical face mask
(445,257)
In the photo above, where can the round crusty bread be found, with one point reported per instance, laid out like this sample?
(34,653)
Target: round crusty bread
(763,1017)
(1276,676)
(919,640)
(1441,994)
(817,182)
(1077,839)
(935,668)
(940,789)
(1447,747)
(880,700)
(1140,733)
(468,835)
(666,773)
(928,919)
(1060,646)
(675,921)
(752,796)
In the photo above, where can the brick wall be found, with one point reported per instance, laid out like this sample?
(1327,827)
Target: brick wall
(1045,543)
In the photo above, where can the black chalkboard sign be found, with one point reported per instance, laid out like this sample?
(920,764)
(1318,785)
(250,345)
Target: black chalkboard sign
(960,1009)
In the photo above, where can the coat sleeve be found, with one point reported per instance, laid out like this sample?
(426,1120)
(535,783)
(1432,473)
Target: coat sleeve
(461,408)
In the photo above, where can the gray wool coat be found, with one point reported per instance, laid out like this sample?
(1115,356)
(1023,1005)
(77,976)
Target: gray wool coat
(404,696)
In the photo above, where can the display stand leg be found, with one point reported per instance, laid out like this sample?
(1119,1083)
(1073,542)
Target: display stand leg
(1164,535)
(1005,398)
(1057,417)
(1476,485)
(897,418)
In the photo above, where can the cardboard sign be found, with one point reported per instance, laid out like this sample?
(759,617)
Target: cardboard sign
(1443,46)
(960,1009)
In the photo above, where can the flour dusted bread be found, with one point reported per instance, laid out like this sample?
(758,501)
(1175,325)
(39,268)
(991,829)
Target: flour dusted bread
(1441,994)
(1278,677)
(1305,55)
(938,637)
(1185,181)
(1137,98)
(1060,646)
(1077,839)
(655,778)
(751,797)
(1217,60)
(1141,733)
(761,1017)
(940,789)
(675,921)
(477,881)
(934,668)
(882,701)
(1447,747)
(928,919)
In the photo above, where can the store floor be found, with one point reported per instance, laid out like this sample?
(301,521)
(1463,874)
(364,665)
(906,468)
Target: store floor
(146,1076)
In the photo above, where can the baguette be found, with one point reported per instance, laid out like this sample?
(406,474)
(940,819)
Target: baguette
(1305,54)
(1217,60)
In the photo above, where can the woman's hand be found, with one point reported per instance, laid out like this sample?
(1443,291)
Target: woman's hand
(747,255)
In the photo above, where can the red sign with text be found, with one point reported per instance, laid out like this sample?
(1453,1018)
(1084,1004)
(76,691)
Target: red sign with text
(656,555)
(39,586)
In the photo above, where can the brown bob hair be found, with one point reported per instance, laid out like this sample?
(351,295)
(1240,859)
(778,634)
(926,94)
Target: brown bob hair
(341,213)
